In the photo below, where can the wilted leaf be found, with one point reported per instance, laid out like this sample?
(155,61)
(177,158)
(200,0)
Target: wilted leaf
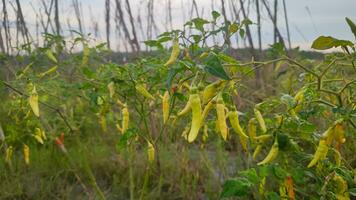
(233,28)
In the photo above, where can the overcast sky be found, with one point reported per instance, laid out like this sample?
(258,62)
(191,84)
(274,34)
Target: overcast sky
(308,18)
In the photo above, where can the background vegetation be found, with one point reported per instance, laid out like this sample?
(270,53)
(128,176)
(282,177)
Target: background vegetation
(278,125)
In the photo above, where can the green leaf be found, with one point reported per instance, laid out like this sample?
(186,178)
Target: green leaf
(171,74)
(264,170)
(352,26)
(298,175)
(180,96)
(283,141)
(289,101)
(307,127)
(272,196)
(165,39)
(227,59)
(352,192)
(199,23)
(154,43)
(279,172)
(277,49)
(235,188)
(196,38)
(251,175)
(327,42)
(215,14)
(214,67)
(242,33)
(123,142)
(246,22)
(88,72)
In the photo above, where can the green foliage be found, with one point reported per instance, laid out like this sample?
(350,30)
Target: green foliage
(352,26)
(235,188)
(84,96)
(324,43)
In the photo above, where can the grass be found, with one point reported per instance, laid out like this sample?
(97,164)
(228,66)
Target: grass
(182,172)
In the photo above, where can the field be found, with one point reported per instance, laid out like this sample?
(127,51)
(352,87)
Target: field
(189,122)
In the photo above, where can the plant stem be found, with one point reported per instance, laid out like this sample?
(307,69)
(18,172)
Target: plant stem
(42,103)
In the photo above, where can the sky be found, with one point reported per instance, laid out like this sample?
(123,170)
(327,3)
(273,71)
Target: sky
(308,19)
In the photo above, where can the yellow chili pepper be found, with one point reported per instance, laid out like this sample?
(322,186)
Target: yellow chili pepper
(43,134)
(175,53)
(257,151)
(185,132)
(50,55)
(165,106)
(24,71)
(8,155)
(125,119)
(260,120)
(261,187)
(320,153)
(26,154)
(299,98)
(185,110)
(111,88)
(252,128)
(211,90)
(341,188)
(51,70)
(221,117)
(328,135)
(272,154)
(282,191)
(195,105)
(102,122)
(206,110)
(205,135)
(34,102)
(337,157)
(339,135)
(262,138)
(150,152)
(203,55)
(143,91)
(119,103)
(234,121)
(38,136)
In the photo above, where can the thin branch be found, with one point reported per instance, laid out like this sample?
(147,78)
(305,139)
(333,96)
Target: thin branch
(347,85)
(41,102)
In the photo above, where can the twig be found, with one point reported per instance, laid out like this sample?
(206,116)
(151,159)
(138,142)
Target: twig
(41,102)
(325,103)
(347,85)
